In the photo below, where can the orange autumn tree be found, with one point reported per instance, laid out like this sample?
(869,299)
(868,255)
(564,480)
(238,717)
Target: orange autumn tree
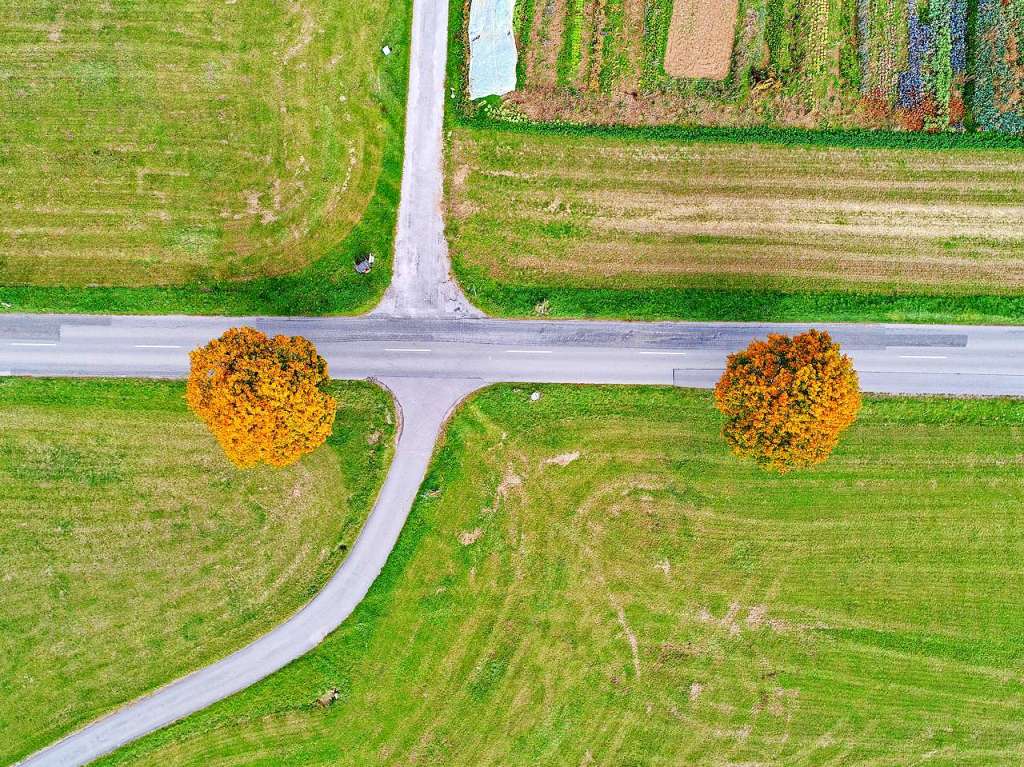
(262,398)
(787,400)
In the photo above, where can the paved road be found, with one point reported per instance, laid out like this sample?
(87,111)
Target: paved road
(890,358)
(423,406)
(421,285)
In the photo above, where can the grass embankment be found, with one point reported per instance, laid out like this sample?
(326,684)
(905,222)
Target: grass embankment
(133,552)
(199,156)
(653,601)
(630,226)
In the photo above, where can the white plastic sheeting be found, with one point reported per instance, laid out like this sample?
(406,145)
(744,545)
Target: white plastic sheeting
(492,48)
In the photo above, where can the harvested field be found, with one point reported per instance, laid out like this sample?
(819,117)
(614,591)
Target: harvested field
(530,209)
(133,552)
(659,603)
(161,143)
(700,38)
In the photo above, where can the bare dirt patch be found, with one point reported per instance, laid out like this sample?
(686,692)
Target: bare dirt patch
(563,460)
(634,647)
(700,38)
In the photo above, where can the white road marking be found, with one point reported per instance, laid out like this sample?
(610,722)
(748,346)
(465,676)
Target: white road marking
(528,351)
(33,343)
(156,346)
(922,357)
(408,350)
(666,354)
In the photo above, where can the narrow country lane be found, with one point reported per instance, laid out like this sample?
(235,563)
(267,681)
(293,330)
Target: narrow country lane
(421,283)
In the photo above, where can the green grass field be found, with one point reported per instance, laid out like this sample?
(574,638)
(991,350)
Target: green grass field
(133,552)
(641,227)
(198,155)
(592,579)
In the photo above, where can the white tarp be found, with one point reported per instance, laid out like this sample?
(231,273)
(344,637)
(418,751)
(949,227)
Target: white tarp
(492,48)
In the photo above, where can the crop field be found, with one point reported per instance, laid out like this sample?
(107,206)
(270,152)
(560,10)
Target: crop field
(133,552)
(181,141)
(546,214)
(891,64)
(594,579)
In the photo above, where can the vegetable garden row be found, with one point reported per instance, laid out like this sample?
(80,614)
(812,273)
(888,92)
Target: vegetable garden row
(931,65)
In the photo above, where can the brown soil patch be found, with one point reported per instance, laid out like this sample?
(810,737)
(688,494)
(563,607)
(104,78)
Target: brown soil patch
(700,38)
(634,647)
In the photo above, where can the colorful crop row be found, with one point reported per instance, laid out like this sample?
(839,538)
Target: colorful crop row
(912,65)
(999,66)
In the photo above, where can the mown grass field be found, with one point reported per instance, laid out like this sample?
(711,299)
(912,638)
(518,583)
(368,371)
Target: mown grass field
(648,228)
(195,155)
(133,552)
(592,579)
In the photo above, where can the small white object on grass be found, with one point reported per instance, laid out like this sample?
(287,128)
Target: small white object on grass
(386,50)
(535,396)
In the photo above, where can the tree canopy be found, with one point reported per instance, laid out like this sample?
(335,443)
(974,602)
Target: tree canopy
(263,398)
(788,400)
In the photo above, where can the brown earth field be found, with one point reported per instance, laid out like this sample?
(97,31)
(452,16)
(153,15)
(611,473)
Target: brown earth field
(608,212)
(700,38)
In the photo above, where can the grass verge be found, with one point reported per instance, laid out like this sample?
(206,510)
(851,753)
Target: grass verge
(583,581)
(134,552)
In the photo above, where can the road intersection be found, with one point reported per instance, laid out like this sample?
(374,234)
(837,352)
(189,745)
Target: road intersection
(431,349)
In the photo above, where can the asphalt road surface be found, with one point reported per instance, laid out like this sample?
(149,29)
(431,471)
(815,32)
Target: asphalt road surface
(913,359)
(421,282)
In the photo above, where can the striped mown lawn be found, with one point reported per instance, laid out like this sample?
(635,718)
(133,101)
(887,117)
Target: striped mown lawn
(133,552)
(175,141)
(534,211)
(592,579)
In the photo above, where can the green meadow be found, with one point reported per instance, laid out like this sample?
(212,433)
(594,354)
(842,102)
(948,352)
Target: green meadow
(593,579)
(133,552)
